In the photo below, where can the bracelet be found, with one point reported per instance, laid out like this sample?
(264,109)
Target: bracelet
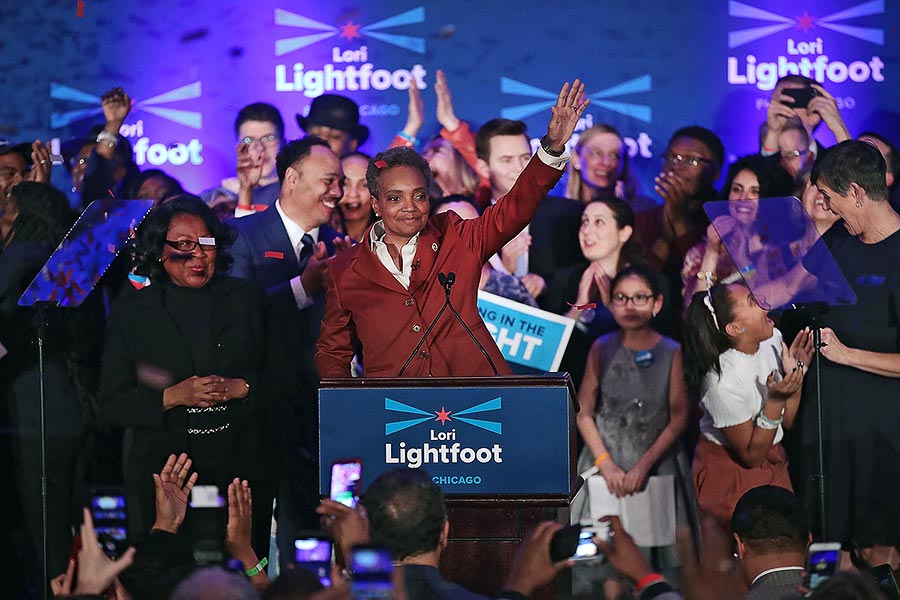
(704,275)
(405,136)
(601,459)
(764,422)
(258,568)
(111,139)
(648,580)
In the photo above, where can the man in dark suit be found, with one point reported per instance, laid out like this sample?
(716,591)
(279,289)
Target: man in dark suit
(769,528)
(285,249)
(503,151)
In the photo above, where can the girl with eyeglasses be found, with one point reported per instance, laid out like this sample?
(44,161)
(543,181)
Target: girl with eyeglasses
(749,384)
(634,403)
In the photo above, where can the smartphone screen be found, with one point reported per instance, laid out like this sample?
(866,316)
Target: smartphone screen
(205,525)
(586,548)
(314,554)
(345,479)
(821,563)
(110,521)
(371,568)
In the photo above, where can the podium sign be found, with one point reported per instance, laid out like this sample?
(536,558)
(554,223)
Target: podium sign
(475,436)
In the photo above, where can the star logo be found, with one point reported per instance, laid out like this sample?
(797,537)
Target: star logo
(350,31)
(805,22)
(443,415)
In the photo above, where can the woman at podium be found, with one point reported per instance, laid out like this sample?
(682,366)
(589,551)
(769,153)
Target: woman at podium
(387,292)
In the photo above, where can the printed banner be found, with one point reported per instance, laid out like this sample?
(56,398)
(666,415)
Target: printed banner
(526,336)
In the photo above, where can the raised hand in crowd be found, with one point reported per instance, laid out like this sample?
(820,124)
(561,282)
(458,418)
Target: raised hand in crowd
(40,157)
(249,173)
(826,107)
(621,551)
(777,116)
(239,530)
(445,113)
(348,526)
(593,286)
(97,574)
(532,567)
(314,275)
(173,488)
(116,105)
(415,116)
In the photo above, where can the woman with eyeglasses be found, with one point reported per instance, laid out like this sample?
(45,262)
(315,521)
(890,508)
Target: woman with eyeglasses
(582,292)
(634,405)
(749,384)
(182,363)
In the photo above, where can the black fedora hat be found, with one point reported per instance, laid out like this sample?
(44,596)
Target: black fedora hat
(337,112)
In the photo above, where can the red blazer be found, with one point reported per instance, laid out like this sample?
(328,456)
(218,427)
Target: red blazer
(365,303)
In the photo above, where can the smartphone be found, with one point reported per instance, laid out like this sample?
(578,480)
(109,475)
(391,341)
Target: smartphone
(884,575)
(110,519)
(371,568)
(205,525)
(564,543)
(312,552)
(801,96)
(821,563)
(345,479)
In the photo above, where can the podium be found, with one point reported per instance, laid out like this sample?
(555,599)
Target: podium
(503,450)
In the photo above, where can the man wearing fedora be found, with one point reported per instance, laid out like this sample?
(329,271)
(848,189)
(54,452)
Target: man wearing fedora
(335,119)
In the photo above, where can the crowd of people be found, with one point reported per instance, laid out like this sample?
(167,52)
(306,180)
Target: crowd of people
(197,358)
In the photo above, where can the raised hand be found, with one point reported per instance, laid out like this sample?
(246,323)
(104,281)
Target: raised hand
(415,115)
(240,519)
(780,391)
(173,488)
(445,114)
(40,156)
(570,104)
(96,571)
(116,105)
(826,107)
(249,167)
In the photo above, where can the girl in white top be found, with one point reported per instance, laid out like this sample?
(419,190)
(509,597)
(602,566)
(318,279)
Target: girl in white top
(749,384)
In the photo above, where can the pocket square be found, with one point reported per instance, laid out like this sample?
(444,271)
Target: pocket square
(278,255)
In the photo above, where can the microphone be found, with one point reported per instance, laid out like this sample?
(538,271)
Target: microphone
(442,279)
(450,280)
(447,282)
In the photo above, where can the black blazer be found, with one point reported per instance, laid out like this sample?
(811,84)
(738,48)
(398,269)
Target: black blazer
(141,335)
(263,253)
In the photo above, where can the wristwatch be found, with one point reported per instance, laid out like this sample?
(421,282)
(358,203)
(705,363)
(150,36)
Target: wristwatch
(545,144)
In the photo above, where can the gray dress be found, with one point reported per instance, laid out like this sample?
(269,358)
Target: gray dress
(632,410)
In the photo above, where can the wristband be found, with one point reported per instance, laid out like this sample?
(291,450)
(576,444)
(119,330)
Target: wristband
(258,568)
(111,139)
(405,136)
(764,422)
(648,580)
(601,459)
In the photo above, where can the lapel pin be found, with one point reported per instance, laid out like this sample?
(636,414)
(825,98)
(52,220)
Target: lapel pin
(278,255)
(434,246)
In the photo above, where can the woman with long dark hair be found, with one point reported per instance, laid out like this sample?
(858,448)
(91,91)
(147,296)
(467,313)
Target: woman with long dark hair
(749,384)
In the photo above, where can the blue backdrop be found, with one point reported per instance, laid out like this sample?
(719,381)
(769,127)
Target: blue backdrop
(650,66)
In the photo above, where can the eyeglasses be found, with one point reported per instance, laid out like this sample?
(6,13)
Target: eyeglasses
(266,140)
(610,156)
(678,159)
(207,244)
(621,299)
(789,154)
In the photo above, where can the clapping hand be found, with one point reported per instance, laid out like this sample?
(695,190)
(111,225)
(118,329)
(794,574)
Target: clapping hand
(40,157)
(445,113)
(173,488)
(249,167)
(415,115)
(570,105)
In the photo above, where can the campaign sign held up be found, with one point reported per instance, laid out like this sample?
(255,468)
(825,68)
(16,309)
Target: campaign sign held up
(498,436)
(525,335)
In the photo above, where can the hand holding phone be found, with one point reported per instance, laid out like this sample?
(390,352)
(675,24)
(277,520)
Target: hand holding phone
(312,551)
(884,575)
(821,563)
(801,96)
(371,568)
(346,475)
